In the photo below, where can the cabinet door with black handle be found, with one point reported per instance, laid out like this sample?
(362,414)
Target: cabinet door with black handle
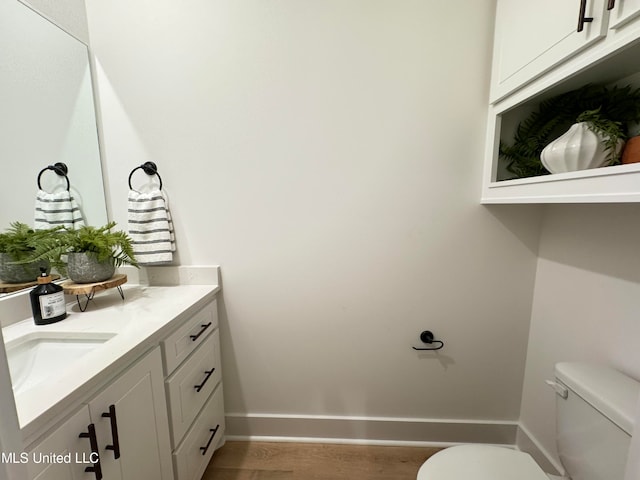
(64,454)
(534,37)
(624,14)
(130,418)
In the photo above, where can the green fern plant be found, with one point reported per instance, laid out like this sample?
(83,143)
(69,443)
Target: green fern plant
(596,104)
(100,242)
(20,241)
(611,131)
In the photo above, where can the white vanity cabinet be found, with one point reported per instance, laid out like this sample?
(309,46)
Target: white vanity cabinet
(144,404)
(533,37)
(126,423)
(194,392)
(623,12)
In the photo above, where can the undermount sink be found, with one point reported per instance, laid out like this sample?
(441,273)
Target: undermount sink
(41,356)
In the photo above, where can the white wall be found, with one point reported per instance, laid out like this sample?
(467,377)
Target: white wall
(328,156)
(585,302)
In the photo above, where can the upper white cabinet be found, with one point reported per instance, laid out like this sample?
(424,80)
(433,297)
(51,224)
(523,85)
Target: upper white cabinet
(539,53)
(533,37)
(622,12)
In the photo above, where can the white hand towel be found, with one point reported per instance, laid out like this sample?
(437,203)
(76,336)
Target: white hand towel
(150,227)
(55,209)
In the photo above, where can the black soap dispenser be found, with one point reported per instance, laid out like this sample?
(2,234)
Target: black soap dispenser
(47,301)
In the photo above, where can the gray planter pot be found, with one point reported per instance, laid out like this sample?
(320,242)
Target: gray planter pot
(21,273)
(84,268)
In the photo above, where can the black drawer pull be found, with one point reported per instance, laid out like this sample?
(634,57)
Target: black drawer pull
(209,373)
(213,434)
(582,19)
(204,327)
(93,440)
(114,432)
(611,5)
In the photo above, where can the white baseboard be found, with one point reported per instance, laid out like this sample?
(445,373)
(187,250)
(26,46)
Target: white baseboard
(526,442)
(368,430)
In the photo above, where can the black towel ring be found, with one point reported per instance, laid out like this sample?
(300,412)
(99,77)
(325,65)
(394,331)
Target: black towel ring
(59,169)
(150,169)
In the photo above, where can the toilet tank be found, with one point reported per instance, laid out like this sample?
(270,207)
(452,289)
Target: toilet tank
(595,421)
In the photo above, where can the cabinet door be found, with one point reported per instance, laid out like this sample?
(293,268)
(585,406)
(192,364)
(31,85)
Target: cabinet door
(623,11)
(532,37)
(65,441)
(132,426)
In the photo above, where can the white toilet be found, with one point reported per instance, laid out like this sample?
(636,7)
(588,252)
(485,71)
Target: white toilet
(594,420)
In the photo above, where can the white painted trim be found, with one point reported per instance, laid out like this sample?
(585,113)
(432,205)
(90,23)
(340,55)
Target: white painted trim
(173,275)
(526,442)
(348,441)
(338,441)
(368,430)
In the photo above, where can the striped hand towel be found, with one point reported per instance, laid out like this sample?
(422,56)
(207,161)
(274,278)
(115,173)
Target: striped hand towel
(55,209)
(150,227)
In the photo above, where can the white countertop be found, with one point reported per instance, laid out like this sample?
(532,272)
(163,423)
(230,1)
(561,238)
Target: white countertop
(138,323)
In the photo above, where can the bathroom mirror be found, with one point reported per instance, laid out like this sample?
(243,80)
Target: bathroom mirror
(47,115)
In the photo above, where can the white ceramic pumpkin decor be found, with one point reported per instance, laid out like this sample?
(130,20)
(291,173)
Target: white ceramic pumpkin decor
(578,149)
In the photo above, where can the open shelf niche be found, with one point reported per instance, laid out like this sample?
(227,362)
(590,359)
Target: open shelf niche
(618,183)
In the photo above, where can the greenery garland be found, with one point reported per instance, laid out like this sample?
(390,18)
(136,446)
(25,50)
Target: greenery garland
(602,107)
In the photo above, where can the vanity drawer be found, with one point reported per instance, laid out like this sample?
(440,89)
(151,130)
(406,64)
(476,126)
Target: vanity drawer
(193,455)
(179,345)
(191,385)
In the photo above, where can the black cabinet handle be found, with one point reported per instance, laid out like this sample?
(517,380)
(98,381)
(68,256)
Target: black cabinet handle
(114,431)
(204,327)
(213,434)
(582,19)
(208,372)
(611,5)
(93,440)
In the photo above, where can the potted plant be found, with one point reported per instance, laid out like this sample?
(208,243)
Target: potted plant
(593,141)
(17,244)
(87,254)
(606,111)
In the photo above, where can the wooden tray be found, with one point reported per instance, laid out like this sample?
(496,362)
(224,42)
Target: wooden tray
(14,287)
(71,288)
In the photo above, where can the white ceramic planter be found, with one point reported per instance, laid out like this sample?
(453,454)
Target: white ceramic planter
(578,149)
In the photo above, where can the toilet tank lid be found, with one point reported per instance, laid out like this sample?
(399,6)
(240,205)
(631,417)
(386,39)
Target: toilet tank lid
(610,392)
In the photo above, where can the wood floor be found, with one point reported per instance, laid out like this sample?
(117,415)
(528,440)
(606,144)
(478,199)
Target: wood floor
(314,461)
